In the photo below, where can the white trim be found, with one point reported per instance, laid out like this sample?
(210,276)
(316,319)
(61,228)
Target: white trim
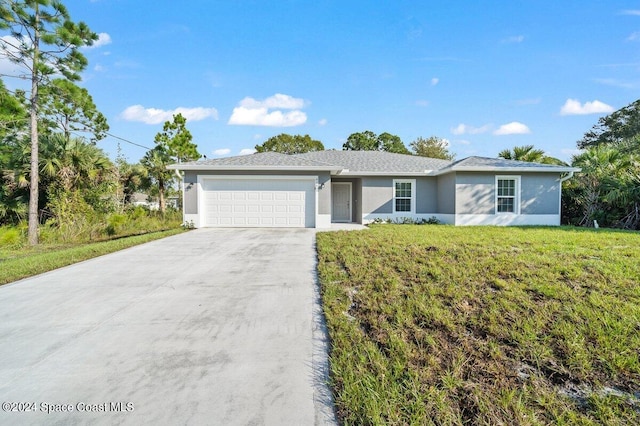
(350,202)
(516,198)
(413,196)
(200,191)
(507,219)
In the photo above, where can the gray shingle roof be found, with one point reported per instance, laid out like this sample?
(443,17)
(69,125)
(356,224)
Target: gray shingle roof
(365,162)
(484,163)
(376,161)
(261,160)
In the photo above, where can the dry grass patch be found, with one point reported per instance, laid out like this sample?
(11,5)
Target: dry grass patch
(445,325)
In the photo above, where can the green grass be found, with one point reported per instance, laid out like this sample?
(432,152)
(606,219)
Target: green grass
(483,325)
(21,262)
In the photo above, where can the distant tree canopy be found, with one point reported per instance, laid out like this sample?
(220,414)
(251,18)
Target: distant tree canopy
(369,141)
(432,147)
(529,154)
(614,128)
(290,144)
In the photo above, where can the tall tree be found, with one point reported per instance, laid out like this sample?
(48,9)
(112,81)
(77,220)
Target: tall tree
(44,42)
(369,141)
(288,144)
(66,107)
(432,147)
(173,144)
(614,128)
(176,138)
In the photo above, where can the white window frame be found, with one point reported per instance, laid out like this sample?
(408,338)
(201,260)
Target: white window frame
(516,196)
(412,199)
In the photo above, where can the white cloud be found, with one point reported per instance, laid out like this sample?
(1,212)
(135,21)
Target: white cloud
(262,117)
(422,103)
(446,142)
(103,40)
(252,112)
(277,101)
(634,36)
(631,12)
(434,81)
(513,128)
(247,151)
(514,39)
(222,151)
(323,122)
(462,129)
(463,142)
(573,107)
(99,68)
(156,116)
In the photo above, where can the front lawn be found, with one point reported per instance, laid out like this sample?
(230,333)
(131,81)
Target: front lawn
(483,325)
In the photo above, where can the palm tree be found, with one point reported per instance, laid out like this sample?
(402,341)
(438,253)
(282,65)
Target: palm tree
(156,161)
(529,154)
(606,184)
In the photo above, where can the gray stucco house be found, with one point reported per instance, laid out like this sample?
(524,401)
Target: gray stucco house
(317,188)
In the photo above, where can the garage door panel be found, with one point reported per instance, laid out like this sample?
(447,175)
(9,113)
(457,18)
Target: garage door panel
(259,202)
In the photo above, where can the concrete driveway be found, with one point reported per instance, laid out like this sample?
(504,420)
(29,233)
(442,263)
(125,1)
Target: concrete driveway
(215,326)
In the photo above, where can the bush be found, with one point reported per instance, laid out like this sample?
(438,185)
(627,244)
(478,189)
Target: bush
(10,236)
(115,222)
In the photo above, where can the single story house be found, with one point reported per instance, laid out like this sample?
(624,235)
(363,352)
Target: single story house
(317,188)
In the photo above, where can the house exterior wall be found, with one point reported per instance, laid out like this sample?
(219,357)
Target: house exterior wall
(447,193)
(476,199)
(540,193)
(190,192)
(377,195)
(474,193)
(426,195)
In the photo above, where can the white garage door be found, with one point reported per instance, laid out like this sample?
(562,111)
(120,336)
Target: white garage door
(259,202)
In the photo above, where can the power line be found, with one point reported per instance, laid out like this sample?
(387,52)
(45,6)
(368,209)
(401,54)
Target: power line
(127,141)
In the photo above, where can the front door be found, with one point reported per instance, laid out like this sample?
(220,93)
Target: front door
(341,202)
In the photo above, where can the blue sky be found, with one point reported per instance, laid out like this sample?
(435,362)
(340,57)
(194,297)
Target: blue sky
(483,75)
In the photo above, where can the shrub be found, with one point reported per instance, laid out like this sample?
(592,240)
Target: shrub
(115,222)
(10,236)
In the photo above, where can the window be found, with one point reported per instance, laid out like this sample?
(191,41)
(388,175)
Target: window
(403,196)
(508,194)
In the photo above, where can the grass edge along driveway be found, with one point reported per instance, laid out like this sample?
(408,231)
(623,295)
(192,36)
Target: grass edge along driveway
(33,261)
(483,325)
